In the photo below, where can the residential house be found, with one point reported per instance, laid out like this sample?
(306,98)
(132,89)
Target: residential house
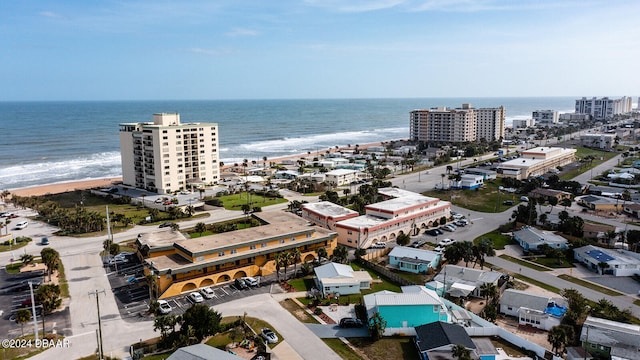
(434,152)
(436,340)
(470,181)
(286,174)
(340,279)
(599,203)
(545,194)
(612,339)
(606,191)
(460,281)
(415,306)
(617,262)
(598,232)
(632,209)
(598,141)
(202,352)
(542,312)
(412,260)
(341,177)
(530,239)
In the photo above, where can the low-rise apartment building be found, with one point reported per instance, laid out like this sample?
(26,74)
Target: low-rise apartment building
(190,264)
(326,214)
(598,141)
(536,161)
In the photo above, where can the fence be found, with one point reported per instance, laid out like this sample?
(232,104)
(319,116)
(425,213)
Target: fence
(393,277)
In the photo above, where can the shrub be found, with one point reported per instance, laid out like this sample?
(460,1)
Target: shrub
(317,311)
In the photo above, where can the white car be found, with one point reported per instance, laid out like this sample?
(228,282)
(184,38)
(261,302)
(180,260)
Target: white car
(439,249)
(207,292)
(195,297)
(22,225)
(185,192)
(446,242)
(457,216)
(164,307)
(379,245)
(251,281)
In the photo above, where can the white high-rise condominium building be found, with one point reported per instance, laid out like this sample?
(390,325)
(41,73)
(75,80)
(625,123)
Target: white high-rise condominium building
(463,124)
(603,108)
(545,117)
(490,123)
(165,156)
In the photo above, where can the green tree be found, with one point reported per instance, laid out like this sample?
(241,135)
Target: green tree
(201,228)
(167,326)
(296,257)
(114,249)
(483,248)
(461,352)
(26,259)
(51,259)
(340,254)
(174,226)
(23,316)
(559,337)
(322,253)
(403,239)
(377,325)
(49,297)
(202,320)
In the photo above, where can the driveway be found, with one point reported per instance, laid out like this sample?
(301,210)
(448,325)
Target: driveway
(333,331)
(295,333)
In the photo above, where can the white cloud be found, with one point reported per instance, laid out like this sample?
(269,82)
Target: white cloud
(354,6)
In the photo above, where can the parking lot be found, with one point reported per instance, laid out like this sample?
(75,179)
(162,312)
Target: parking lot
(15,295)
(133,297)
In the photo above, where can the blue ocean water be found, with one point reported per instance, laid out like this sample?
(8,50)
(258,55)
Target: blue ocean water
(50,142)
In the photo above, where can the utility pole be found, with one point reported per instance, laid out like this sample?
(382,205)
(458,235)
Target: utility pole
(100,348)
(33,311)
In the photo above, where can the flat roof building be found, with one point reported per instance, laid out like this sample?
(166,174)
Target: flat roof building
(165,155)
(536,161)
(448,125)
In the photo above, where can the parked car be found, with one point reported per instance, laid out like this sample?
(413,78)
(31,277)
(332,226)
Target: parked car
(439,249)
(165,224)
(22,225)
(44,241)
(524,198)
(457,216)
(158,201)
(432,232)
(461,222)
(240,284)
(350,323)
(207,292)
(195,297)
(446,242)
(250,281)
(508,202)
(185,192)
(269,335)
(379,245)
(164,307)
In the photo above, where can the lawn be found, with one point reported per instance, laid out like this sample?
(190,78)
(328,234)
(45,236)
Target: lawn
(13,246)
(235,201)
(221,340)
(535,282)
(590,285)
(524,263)
(302,284)
(499,240)
(401,347)
(342,349)
(487,199)
(583,152)
(553,262)
(297,311)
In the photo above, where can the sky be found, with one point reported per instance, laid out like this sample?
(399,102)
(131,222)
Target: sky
(285,49)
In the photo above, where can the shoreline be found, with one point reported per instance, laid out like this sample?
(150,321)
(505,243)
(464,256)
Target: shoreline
(58,188)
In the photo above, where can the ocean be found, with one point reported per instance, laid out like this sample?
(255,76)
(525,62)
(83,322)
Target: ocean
(52,142)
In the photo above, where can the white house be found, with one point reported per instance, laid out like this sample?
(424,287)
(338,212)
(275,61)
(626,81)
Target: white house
(618,262)
(531,239)
(542,312)
(340,279)
(617,340)
(460,281)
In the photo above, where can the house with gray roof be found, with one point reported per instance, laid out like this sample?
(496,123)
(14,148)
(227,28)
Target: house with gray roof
(530,239)
(460,281)
(542,312)
(202,352)
(613,339)
(618,262)
(599,203)
(436,340)
(412,260)
(340,279)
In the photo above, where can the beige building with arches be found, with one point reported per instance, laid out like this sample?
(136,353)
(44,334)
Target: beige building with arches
(183,265)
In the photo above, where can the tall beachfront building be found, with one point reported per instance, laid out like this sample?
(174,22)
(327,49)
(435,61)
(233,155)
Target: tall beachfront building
(603,108)
(545,117)
(490,123)
(165,155)
(462,124)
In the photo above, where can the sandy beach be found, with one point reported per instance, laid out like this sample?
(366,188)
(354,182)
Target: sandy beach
(106,182)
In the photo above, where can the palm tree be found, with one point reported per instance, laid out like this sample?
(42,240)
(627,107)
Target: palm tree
(558,338)
(460,352)
(296,256)
(51,258)
(26,259)
(201,228)
(23,316)
(322,253)
(278,262)
(143,195)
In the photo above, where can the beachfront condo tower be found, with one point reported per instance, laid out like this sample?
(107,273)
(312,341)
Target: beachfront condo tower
(166,155)
(465,124)
(603,108)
